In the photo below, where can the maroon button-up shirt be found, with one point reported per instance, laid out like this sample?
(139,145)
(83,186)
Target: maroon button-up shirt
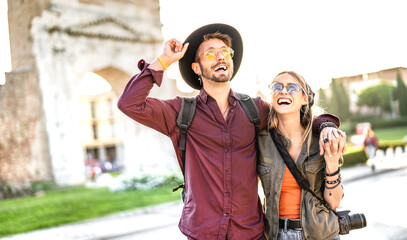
(220,165)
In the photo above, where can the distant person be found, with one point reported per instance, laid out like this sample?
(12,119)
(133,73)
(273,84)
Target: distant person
(370,145)
(221,200)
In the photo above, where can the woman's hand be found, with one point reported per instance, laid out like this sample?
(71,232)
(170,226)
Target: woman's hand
(332,141)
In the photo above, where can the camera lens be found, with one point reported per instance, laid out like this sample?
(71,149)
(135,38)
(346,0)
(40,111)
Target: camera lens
(357,220)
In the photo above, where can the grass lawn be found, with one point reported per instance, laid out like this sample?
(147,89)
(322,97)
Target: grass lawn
(394,133)
(68,205)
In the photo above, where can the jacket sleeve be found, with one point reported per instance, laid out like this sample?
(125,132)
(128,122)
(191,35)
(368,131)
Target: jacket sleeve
(325,120)
(151,112)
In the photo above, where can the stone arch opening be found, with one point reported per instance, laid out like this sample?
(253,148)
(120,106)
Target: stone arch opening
(100,120)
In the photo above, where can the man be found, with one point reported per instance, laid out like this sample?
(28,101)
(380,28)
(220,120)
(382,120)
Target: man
(221,199)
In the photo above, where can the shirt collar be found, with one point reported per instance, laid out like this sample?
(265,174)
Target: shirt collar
(232,97)
(286,141)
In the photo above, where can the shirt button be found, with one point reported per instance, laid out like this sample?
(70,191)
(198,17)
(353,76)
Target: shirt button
(227,172)
(226,150)
(227,194)
(232,110)
(226,214)
(225,130)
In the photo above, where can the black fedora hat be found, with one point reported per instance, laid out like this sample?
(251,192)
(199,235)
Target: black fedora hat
(195,39)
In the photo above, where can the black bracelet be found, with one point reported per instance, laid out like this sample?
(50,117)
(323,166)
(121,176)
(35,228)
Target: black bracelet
(326,124)
(333,182)
(339,183)
(332,174)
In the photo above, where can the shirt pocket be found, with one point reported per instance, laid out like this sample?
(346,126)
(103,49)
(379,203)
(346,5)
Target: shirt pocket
(314,172)
(264,171)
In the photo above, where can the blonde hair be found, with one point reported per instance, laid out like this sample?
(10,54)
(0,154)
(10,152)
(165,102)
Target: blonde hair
(306,115)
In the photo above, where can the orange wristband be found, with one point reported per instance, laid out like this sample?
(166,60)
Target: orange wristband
(162,62)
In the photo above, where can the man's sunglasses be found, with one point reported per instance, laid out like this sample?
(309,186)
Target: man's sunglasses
(211,53)
(292,88)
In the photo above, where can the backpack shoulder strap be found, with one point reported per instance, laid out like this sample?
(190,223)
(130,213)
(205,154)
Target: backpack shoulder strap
(250,109)
(184,119)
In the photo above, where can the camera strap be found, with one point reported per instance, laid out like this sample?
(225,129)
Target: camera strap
(301,180)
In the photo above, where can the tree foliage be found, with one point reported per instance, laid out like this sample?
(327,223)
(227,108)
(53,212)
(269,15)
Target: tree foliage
(401,95)
(322,99)
(339,102)
(377,96)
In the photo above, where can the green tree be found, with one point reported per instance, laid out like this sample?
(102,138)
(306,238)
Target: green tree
(377,97)
(345,102)
(322,99)
(339,102)
(401,95)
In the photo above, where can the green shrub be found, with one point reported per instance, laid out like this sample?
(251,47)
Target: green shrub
(148,181)
(354,157)
(388,123)
(43,185)
(348,127)
(392,144)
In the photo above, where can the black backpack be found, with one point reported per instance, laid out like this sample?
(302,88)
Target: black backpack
(187,113)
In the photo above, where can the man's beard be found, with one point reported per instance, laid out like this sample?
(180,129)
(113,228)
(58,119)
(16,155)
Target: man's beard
(207,73)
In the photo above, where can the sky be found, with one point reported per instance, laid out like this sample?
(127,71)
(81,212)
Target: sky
(319,39)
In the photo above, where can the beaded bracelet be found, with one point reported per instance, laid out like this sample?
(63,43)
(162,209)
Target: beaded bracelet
(332,174)
(333,186)
(335,181)
(326,124)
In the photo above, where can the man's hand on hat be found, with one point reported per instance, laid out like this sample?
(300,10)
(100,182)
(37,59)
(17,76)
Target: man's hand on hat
(172,52)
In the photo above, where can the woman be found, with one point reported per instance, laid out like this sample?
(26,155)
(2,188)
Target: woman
(291,212)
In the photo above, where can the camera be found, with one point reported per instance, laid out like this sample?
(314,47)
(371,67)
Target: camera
(350,222)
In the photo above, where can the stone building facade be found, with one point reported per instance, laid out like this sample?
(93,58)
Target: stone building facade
(54,43)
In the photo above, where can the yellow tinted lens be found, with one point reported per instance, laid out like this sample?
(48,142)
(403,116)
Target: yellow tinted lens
(227,52)
(210,53)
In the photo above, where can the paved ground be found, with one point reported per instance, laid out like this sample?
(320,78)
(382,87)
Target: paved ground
(159,222)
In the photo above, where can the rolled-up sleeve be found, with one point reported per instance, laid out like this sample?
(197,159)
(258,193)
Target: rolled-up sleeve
(324,118)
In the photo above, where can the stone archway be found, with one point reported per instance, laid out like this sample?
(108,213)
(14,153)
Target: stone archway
(52,48)
(64,40)
(100,121)
(115,76)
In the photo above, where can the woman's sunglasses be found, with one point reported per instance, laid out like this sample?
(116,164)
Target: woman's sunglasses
(292,88)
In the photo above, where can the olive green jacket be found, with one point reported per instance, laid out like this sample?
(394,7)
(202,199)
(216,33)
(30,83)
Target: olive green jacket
(317,221)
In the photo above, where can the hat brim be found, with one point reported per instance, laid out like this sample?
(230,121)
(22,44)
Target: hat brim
(195,39)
